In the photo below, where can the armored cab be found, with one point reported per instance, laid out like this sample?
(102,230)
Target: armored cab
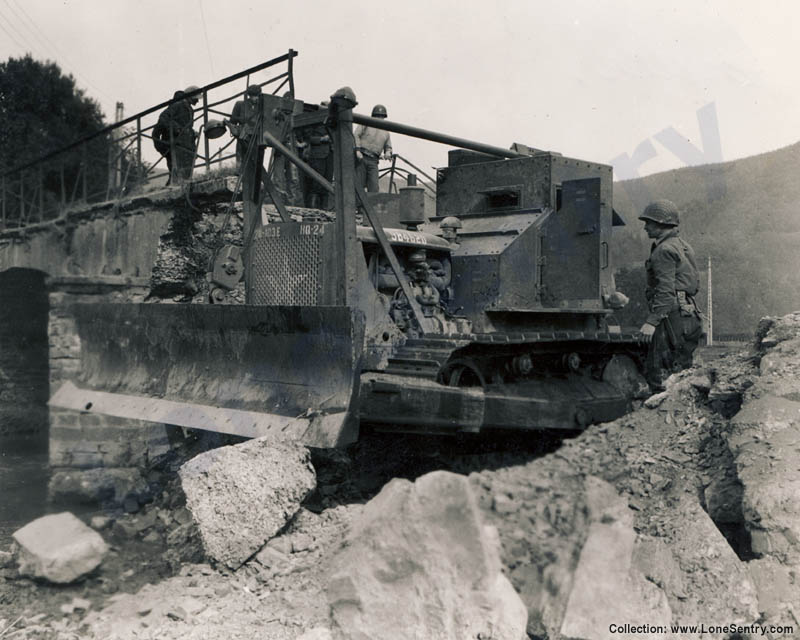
(533,249)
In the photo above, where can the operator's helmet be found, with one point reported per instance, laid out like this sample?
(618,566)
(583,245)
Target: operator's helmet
(254,90)
(416,257)
(379,111)
(450,222)
(191,93)
(663,212)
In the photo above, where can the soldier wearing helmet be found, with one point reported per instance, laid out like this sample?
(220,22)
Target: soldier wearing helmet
(372,144)
(244,121)
(174,135)
(673,327)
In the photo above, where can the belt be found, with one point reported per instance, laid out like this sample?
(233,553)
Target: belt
(368,153)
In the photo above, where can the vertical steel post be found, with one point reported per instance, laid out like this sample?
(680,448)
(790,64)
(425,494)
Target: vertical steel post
(341,110)
(118,149)
(40,176)
(63,186)
(139,173)
(290,65)
(391,175)
(85,167)
(21,197)
(205,126)
(710,336)
(4,203)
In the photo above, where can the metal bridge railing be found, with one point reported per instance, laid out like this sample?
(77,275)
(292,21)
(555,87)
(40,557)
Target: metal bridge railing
(399,171)
(120,160)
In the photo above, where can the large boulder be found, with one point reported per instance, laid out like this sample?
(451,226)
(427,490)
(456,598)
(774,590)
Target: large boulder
(608,588)
(58,548)
(420,563)
(764,439)
(241,496)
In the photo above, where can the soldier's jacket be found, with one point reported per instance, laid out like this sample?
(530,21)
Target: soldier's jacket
(245,114)
(373,141)
(317,140)
(671,268)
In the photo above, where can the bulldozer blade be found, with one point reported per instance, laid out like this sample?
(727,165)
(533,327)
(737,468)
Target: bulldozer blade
(238,369)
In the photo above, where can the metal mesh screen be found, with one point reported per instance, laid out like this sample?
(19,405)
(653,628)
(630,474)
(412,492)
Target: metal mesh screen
(285,270)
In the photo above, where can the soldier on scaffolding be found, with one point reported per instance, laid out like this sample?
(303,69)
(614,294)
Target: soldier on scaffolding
(245,125)
(284,174)
(317,150)
(372,144)
(175,131)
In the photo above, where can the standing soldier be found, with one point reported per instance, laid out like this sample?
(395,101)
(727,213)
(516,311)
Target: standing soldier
(372,144)
(673,327)
(244,123)
(180,121)
(317,150)
(284,174)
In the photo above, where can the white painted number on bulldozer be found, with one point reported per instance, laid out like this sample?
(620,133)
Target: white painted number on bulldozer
(312,230)
(399,236)
(272,231)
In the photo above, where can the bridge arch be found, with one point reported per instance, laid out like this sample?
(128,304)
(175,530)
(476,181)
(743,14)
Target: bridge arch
(24,354)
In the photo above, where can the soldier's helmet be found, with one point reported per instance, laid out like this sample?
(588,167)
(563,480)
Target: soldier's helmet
(663,212)
(191,93)
(254,90)
(379,111)
(417,257)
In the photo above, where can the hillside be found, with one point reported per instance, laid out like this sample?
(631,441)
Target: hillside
(745,215)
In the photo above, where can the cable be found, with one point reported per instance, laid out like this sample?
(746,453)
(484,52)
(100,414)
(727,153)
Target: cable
(205,33)
(22,21)
(16,42)
(45,41)
(26,46)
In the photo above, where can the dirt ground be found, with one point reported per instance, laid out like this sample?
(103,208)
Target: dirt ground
(155,584)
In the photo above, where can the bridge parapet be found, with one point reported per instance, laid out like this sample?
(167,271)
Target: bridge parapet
(121,160)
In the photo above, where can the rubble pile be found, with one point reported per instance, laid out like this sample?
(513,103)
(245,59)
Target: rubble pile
(684,512)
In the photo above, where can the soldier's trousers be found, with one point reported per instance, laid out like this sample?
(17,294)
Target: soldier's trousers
(367,171)
(672,347)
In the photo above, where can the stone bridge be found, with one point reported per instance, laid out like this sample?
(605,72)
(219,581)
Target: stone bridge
(103,253)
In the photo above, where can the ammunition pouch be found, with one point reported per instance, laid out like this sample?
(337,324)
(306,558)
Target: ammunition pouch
(687,304)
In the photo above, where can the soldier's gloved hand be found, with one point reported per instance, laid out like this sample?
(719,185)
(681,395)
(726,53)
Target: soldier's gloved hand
(387,156)
(359,156)
(647,330)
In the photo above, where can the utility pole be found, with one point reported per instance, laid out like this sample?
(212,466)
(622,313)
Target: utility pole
(115,154)
(710,336)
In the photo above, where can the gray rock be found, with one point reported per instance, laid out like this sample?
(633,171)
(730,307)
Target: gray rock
(317,633)
(241,496)
(655,400)
(764,439)
(107,486)
(607,587)
(778,590)
(6,559)
(419,563)
(302,542)
(58,548)
(98,523)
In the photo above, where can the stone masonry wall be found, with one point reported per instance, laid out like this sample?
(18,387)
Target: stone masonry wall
(82,442)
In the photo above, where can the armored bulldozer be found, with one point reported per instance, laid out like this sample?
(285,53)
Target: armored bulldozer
(492,313)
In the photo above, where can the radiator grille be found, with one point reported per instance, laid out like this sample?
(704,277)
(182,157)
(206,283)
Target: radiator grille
(285,270)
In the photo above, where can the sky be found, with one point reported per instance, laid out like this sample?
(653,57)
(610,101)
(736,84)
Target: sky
(646,86)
